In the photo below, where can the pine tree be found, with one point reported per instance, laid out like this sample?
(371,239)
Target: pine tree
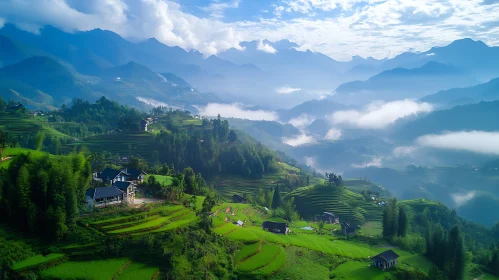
(402,222)
(455,254)
(494,263)
(276,199)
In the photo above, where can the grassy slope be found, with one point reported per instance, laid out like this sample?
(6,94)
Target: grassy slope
(346,204)
(163,180)
(13,152)
(95,270)
(15,125)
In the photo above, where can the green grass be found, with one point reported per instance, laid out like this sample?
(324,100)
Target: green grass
(142,226)
(246,251)
(16,126)
(177,224)
(275,264)
(374,229)
(354,270)
(264,257)
(305,264)
(13,152)
(92,270)
(116,220)
(163,180)
(146,219)
(36,260)
(417,262)
(348,205)
(124,143)
(137,271)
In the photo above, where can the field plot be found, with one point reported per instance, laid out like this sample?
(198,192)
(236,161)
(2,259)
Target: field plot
(92,270)
(136,271)
(163,180)
(36,261)
(140,143)
(359,271)
(264,257)
(346,204)
(158,219)
(15,126)
(248,251)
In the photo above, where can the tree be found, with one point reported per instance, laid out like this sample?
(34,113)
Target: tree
(4,139)
(494,262)
(40,136)
(455,254)
(206,222)
(436,274)
(402,222)
(276,198)
(232,136)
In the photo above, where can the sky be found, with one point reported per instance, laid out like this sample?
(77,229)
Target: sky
(338,28)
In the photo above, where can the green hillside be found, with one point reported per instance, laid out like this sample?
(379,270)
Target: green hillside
(17,125)
(348,205)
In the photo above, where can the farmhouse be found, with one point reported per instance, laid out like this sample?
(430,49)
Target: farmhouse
(275,227)
(238,199)
(134,175)
(103,196)
(328,217)
(143,125)
(348,228)
(128,189)
(109,175)
(385,260)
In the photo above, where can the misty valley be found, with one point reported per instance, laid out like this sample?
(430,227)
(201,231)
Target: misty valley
(225,139)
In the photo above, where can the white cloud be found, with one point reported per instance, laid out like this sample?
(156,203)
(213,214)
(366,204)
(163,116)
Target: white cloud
(333,134)
(462,198)
(287,90)
(236,110)
(162,19)
(152,102)
(217,9)
(404,151)
(299,140)
(302,121)
(481,142)
(264,47)
(379,115)
(374,162)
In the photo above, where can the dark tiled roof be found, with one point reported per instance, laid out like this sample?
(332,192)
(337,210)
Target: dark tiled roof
(387,255)
(90,192)
(109,174)
(122,185)
(274,225)
(134,173)
(103,192)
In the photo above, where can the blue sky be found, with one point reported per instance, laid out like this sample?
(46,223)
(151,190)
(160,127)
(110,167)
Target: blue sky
(338,28)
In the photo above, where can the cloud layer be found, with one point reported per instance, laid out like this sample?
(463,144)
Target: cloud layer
(481,142)
(377,28)
(264,47)
(333,134)
(287,90)
(299,140)
(143,19)
(236,110)
(302,121)
(379,115)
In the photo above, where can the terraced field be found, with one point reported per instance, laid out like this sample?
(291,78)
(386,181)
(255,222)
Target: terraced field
(230,185)
(15,126)
(11,153)
(141,143)
(36,261)
(121,269)
(158,219)
(349,206)
(267,259)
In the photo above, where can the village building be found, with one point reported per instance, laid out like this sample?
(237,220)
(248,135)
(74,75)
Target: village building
(275,227)
(348,228)
(143,125)
(128,189)
(239,199)
(103,196)
(385,260)
(134,175)
(109,175)
(328,217)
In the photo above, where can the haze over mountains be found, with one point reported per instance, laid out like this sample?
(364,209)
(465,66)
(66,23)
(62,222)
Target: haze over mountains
(365,117)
